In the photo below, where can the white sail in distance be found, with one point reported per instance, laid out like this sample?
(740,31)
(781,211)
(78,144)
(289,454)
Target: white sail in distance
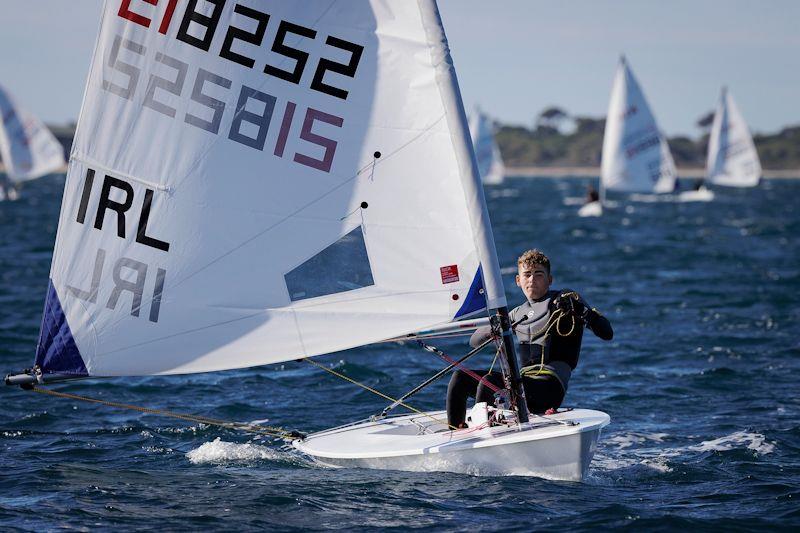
(636,156)
(490,161)
(254,184)
(732,156)
(28,149)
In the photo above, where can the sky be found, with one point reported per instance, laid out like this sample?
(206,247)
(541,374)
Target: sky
(513,58)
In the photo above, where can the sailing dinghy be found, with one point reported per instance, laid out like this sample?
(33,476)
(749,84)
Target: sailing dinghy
(703,194)
(28,149)
(732,157)
(252,185)
(490,161)
(636,157)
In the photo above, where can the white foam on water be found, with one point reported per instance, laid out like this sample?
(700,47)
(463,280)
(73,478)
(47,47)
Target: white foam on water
(617,462)
(753,441)
(627,440)
(219,451)
(632,449)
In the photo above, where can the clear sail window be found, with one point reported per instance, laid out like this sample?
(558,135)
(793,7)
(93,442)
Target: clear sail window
(342,266)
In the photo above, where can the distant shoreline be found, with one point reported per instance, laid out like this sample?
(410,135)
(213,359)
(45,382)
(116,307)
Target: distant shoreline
(594,172)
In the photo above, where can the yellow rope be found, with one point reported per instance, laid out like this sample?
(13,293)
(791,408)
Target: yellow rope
(374,391)
(253,428)
(554,320)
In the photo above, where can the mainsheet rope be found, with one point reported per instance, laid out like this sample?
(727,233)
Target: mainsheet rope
(240,426)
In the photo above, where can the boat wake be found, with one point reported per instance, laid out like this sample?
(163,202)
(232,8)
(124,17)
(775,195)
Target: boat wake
(635,449)
(219,451)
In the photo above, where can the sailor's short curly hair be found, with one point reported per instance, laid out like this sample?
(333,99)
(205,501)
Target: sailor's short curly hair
(534,257)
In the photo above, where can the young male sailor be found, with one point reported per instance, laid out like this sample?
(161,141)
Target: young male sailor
(549,348)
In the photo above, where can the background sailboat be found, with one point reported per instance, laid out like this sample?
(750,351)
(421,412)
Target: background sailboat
(490,161)
(732,157)
(219,216)
(28,149)
(636,156)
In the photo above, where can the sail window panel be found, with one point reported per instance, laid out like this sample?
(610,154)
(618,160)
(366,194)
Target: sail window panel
(343,266)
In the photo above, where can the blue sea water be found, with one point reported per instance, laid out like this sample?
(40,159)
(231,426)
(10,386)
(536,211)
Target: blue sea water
(700,382)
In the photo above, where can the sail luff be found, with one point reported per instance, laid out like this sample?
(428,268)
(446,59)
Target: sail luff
(465,154)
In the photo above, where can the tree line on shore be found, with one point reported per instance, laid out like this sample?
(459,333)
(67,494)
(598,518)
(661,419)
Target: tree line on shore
(550,141)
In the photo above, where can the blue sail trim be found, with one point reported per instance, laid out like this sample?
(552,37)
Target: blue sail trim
(57,352)
(475,299)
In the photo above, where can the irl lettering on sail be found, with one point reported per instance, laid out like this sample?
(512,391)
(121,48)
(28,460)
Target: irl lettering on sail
(123,267)
(126,53)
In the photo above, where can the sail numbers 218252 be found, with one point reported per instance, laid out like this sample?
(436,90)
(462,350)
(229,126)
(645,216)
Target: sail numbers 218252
(247,127)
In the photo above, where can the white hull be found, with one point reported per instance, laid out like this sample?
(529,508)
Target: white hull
(700,195)
(592,209)
(546,447)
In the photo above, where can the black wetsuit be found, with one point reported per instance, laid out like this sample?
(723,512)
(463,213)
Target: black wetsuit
(547,360)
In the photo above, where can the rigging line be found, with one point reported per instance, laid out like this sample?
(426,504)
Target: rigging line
(433,378)
(467,371)
(240,426)
(374,391)
(445,370)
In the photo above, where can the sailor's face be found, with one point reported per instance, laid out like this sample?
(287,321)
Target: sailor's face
(534,281)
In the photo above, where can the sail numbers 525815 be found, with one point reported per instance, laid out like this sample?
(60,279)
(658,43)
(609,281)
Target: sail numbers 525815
(254,109)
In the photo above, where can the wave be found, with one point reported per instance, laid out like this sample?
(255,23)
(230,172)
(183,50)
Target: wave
(752,441)
(639,449)
(219,451)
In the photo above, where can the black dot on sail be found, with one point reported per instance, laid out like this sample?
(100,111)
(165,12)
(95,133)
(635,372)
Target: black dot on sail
(376,155)
(455,297)
(364,205)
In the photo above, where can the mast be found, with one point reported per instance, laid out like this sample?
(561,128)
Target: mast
(473,192)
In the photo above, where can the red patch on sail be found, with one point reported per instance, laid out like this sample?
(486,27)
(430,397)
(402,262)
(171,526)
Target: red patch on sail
(449,274)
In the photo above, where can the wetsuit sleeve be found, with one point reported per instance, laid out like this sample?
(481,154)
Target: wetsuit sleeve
(599,325)
(480,336)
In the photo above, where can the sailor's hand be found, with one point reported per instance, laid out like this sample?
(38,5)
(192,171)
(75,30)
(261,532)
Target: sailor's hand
(579,308)
(572,302)
(563,303)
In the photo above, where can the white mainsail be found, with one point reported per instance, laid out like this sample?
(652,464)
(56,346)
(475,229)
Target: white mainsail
(490,161)
(732,156)
(253,184)
(28,149)
(636,156)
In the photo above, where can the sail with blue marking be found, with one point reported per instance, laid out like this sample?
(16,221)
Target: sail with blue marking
(254,183)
